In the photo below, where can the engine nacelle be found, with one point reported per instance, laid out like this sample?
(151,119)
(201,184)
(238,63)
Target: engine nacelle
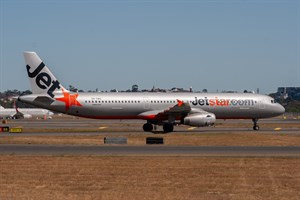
(200,119)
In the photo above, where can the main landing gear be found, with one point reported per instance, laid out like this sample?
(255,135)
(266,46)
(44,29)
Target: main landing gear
(148,127)
(167,127)
(255,126)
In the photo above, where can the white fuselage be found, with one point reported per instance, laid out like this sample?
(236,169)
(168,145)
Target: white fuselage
(131,105)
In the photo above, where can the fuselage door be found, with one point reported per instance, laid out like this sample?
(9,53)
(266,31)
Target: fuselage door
(262,104)
(146,103)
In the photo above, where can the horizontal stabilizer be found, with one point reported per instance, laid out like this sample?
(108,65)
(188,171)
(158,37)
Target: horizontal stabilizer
(44,100)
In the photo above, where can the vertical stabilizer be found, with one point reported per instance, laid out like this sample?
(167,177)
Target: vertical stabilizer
(40,77)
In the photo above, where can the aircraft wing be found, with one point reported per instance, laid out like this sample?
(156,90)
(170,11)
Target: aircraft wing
(178,111)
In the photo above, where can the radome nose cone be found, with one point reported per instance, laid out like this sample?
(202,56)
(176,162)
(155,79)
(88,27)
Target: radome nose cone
(280,109)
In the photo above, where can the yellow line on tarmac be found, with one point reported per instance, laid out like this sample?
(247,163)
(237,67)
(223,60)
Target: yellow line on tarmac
(191,128)
(102,127)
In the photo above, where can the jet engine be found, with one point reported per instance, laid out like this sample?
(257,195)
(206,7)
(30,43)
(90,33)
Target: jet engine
(200,119)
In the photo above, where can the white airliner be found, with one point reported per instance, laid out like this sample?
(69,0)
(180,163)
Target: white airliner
(166,109)
(15,113)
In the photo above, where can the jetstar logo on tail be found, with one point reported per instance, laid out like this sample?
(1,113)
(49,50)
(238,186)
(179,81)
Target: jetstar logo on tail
(43,80)
(69,99)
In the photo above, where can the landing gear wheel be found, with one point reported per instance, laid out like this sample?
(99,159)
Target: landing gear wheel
(168,128)
(147,127)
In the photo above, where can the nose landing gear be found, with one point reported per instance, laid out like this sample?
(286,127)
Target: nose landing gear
(255,126)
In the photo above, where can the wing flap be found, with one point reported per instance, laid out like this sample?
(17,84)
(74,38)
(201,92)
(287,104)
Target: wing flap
(175,112)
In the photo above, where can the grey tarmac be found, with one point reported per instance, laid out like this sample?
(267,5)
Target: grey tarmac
(151,150)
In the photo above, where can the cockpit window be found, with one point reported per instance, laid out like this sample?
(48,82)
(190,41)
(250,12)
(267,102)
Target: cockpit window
(273,101)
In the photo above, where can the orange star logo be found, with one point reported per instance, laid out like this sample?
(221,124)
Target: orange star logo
(69,99)
(179,102)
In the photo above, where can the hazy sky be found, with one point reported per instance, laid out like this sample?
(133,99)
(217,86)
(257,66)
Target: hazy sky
(217,45)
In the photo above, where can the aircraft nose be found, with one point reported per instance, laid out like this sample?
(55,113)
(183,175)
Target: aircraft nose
(280,109)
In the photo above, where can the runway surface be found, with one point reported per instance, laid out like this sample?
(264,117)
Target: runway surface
(89,127)
(156,150)
(132,128)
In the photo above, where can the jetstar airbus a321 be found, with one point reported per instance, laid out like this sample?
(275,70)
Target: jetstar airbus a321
(166,109)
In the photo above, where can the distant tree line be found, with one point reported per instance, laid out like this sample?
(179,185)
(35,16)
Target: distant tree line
(8,99)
